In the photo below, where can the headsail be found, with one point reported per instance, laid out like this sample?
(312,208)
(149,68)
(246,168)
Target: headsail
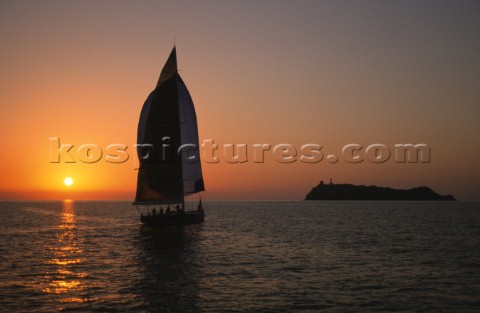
(167,122)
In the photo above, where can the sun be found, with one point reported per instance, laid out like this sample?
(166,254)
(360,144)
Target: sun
(68,181)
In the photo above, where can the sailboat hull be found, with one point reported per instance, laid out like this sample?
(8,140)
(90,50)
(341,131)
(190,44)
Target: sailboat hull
(173,219)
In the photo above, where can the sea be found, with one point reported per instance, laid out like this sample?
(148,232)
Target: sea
(265,256)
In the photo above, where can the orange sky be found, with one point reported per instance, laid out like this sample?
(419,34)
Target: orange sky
(259,72)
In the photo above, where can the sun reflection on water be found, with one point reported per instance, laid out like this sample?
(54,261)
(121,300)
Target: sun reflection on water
(66,278)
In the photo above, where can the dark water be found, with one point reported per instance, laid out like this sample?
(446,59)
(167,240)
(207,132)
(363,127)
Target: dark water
(246,257)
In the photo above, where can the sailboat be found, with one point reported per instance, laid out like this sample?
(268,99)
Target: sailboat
(168,152)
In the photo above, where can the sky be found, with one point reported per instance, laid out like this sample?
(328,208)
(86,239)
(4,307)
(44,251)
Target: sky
(329,73)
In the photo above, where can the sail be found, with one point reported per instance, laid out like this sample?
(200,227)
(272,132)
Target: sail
(167,122)
(192,171)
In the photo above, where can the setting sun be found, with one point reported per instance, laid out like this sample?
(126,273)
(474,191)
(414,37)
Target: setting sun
(68,181)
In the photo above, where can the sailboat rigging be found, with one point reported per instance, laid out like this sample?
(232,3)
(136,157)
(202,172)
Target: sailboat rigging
(168,152)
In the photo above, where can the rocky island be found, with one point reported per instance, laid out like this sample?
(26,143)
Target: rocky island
(333,191)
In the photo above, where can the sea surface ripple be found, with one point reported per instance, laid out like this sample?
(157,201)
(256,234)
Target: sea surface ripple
(301,256)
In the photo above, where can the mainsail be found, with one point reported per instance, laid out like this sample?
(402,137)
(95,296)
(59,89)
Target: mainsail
(168,126)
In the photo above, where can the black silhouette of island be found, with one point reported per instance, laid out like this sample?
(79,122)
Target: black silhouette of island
(360,192)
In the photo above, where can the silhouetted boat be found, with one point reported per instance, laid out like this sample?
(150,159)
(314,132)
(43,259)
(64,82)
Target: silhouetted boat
(168,125)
